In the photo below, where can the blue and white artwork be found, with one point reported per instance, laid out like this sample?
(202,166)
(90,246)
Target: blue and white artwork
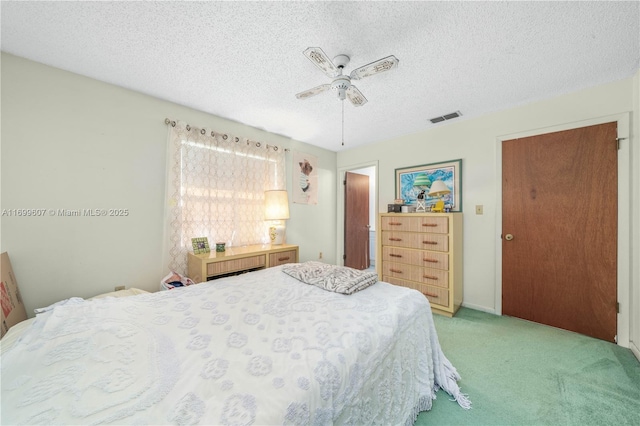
(411,182)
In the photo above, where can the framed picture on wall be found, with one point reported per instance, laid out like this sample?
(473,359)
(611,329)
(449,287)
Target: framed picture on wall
(305,178)
(418,180)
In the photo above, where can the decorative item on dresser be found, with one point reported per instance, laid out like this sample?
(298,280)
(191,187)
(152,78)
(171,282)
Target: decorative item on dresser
(423,251)
(200,245)
(438,190)
(236,260)
(422,183)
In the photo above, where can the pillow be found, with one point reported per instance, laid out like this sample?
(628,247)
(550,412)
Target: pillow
(120,293)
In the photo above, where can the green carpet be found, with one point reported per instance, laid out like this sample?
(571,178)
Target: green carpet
(521,373)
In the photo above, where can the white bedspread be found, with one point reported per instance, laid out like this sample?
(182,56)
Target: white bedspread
(261,348)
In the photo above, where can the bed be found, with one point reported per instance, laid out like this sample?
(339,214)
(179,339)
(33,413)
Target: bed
(259,348)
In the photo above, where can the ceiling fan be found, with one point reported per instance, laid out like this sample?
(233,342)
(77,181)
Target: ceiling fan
(342,83)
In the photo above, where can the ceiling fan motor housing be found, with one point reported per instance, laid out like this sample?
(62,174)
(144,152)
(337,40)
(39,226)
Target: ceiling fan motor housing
(340,84)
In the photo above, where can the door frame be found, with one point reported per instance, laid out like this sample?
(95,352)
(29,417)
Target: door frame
(624,213)
(340,205)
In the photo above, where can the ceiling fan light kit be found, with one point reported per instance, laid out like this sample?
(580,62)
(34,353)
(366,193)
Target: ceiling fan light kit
(341,84)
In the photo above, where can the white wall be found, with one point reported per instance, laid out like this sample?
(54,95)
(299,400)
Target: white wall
(70,142)
(475,141)
(635,224)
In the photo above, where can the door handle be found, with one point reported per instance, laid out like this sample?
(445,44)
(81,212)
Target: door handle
(508,237)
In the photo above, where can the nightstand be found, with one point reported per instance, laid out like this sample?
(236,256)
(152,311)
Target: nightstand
(236,260)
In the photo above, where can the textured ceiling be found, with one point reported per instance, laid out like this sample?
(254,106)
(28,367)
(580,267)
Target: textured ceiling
(243,60)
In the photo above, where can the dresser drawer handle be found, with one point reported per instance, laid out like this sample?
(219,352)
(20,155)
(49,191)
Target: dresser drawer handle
(430,260)
(430,242)
(430,277)
(431,295)
(395,239)
(397,271)
(280,259)
(395,255)
(429,224)
(395,223)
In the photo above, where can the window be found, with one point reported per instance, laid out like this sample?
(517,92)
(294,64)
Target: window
(215,189)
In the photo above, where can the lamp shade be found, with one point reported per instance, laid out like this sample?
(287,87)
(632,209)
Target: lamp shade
(438,189)
(276,205)
(422,181)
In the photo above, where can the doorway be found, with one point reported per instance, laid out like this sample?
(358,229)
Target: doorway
(344,236)
(356,221)
(560,227)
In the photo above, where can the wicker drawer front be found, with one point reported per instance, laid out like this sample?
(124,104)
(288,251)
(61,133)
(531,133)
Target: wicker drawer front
(436,296)
(245,263)
(427,259)
(436,242)
(281,258)
(438,225)
(434,277)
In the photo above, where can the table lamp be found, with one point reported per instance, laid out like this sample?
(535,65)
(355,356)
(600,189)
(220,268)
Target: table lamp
(276,209)
(438,189)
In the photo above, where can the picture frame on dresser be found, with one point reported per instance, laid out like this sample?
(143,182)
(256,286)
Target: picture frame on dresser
(200,245)
(411,181)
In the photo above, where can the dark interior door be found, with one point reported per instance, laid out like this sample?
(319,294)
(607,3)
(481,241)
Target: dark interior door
(356,221)
(559,230)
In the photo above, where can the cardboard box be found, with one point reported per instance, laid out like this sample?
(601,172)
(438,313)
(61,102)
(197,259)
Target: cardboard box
(13,310)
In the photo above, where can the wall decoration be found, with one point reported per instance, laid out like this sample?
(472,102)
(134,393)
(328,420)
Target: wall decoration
(416,180)
(200,245)
(305,178)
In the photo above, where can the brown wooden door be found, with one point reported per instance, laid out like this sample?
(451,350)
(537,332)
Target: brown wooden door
(559,202)
(356,221)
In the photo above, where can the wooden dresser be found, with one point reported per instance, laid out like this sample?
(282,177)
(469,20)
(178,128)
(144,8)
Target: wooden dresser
(423,251)
(234,260)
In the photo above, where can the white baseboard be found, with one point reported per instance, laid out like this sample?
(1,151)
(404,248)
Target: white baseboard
(634,348)
(479,308)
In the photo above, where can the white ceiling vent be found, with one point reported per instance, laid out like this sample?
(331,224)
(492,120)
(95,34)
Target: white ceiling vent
(449,116)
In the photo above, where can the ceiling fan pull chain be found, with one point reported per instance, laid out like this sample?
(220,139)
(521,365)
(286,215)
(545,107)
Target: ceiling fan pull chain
(342,102)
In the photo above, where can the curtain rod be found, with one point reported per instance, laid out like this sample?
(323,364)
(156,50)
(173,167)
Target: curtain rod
(224,136)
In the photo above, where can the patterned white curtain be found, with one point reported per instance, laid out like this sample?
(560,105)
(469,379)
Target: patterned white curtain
(215,189)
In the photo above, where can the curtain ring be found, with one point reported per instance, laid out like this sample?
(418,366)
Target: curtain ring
(237,139)
(258,144)
(173,124)
(188,128)
(275,148)
(203,131)
(224,137)
(167,121)
(212,134)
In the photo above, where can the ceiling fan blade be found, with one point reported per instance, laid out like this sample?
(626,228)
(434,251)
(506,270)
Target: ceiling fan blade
(322,61)
(312,92)
(355,96)
(381,65)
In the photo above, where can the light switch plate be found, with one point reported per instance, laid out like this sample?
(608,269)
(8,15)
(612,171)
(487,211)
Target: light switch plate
(479,209)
